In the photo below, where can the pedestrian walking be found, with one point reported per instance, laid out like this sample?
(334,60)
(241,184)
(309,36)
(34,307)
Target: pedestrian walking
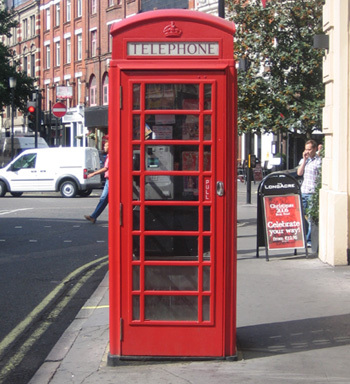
(102,204)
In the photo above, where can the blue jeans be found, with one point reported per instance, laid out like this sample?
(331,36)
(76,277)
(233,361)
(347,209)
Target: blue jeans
(305,198)
(102,204)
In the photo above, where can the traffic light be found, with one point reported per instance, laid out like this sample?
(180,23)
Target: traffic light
(31,113)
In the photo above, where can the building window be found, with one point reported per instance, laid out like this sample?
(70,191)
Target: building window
(110,3)
(93,91)
(110,40)
(93,43)
(58,54)
(79,46)
(93,6)
(105,90)
(79,8)
(25,64)
(32,26)
(25,29)
(48,19)
(68,10)
(79,90)
(68,51)
(58,14)
(47,92)
(32,65)
(48,57)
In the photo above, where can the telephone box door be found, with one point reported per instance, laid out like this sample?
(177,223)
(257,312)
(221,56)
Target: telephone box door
(172,263)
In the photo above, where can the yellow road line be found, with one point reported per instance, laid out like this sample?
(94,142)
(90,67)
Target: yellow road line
(96,307)
(21,327)
(44,325)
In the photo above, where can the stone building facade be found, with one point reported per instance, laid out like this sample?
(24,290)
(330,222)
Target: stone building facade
(334,223)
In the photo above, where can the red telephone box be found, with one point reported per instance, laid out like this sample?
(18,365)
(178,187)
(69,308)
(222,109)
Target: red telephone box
(172,229)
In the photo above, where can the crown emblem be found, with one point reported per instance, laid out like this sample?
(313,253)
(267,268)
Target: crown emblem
(172,30)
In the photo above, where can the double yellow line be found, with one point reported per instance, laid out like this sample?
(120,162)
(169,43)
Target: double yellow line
(18,331)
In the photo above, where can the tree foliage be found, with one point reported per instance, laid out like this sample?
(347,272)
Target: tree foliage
(9,67)
(282,89)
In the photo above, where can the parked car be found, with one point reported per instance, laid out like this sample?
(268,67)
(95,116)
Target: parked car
(52,170)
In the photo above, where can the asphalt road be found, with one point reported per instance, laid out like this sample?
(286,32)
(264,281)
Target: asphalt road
(51,260)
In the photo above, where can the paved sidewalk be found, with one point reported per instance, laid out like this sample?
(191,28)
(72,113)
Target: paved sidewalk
(293,326)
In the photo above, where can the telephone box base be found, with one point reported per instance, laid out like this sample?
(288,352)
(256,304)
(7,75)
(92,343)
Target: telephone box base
(114,360)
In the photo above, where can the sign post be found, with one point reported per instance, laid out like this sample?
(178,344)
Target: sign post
(280,214)
(59,110)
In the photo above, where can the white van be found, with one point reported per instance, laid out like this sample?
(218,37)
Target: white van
(20,144)
(52,170)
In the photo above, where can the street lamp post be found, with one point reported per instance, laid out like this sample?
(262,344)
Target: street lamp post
(12,83)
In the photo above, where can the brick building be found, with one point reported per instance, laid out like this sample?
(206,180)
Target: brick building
(25,43)
(66,46)
(76,49)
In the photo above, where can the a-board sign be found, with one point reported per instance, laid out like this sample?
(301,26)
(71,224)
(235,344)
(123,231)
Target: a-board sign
(283,222)
(280,215)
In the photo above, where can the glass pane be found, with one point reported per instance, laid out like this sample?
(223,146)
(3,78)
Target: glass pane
(136,278)
(172,96)
(136,247)
(171,278)
(207,96)
(175,248)
(159,158)
(167,218)
(136,96)
(136,158)
(206,218)
(176,188)
(207,158)
(207,127)
(206,278)
(136,127)
(136,187)
(206,248)
(176,308)
(172,157)
(136,307)
(172,127)
(206,308)
(136,218)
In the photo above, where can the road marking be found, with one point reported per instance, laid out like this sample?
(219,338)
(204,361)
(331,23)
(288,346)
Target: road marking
(24,324)
(96,307)
(33,241)
(37,333)
(9,211)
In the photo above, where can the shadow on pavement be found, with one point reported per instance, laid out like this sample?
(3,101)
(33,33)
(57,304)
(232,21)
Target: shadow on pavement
(293,336)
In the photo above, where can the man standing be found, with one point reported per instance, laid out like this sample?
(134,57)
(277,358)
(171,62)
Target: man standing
(309,167)
(102,204)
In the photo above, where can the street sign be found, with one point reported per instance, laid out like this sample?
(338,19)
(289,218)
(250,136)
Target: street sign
(59,109)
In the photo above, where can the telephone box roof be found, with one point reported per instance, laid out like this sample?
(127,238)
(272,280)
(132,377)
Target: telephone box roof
(174,15)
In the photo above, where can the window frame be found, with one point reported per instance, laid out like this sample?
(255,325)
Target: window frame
(68,50)
(68,10)
(79,47)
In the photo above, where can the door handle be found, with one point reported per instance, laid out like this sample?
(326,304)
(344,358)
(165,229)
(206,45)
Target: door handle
(220,189)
